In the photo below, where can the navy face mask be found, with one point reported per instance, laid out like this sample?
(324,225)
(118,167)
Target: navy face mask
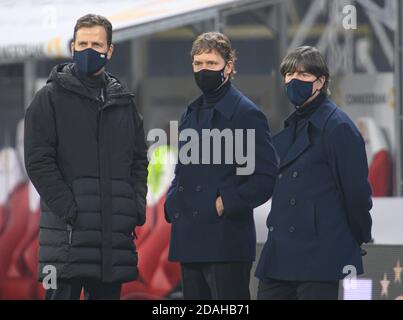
(89,61)
(299,91)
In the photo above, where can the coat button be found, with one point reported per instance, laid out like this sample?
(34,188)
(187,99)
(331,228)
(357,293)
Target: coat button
(180,189)
(271,229)
(195,213)
(293,202)
(280,176)
(176,215)
(198,188)
(295,174)
(291,229)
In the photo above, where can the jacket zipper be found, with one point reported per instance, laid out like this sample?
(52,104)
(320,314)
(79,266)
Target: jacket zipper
(70,230)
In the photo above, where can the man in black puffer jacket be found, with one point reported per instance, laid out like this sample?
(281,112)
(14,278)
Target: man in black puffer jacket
(86,155)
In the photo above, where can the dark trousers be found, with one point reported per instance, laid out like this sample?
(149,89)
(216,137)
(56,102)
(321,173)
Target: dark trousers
(216,281)
(271,289)
(93,290)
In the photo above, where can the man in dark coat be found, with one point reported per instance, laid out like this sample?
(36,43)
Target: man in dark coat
(320,208)
(86,155)
(210,204)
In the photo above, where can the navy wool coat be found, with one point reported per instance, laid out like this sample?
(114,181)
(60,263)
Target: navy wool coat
(198,233)
(321,200)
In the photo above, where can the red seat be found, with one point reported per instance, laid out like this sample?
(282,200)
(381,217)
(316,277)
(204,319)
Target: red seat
(2,221)
(143,231)
(17,213)
(380,174)
(379,159)
(21,281)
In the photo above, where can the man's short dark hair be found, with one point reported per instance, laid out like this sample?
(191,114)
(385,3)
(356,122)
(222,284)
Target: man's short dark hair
(308,59)
(209,41)
(91,20)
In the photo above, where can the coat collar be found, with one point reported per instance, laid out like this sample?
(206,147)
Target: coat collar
(319,117)
(288,150)
(64,75)
(226,106)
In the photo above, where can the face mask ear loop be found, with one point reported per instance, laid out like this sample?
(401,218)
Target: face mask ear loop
(222,72)
(107,50)
(312,93)
(315,90)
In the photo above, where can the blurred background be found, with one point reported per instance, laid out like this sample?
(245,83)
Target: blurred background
(362,41)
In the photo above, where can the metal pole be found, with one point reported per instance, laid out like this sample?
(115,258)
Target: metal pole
(29,81)
(399,98)
(219,22)
(280,102)
(138,63)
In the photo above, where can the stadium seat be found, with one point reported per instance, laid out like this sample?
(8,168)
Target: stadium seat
(379,159)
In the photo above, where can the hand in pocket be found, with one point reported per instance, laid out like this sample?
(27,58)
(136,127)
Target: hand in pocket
(219,205)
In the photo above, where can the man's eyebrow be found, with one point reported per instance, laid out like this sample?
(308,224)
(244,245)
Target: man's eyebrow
(296,71)
(208,61)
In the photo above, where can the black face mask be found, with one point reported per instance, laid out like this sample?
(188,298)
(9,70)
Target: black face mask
(89,61)
(209,80)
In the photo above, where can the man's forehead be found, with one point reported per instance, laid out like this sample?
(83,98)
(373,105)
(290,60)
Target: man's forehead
(208,54)
(301,69)
(96,32)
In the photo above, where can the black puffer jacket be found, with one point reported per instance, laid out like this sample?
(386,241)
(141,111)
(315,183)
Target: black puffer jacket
(88,161)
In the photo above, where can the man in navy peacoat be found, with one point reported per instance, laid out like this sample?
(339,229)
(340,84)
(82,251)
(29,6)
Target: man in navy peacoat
(210,204)
(320,207)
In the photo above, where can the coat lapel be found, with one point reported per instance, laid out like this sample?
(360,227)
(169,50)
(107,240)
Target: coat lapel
(283,141)
(298,147)
(289,151)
